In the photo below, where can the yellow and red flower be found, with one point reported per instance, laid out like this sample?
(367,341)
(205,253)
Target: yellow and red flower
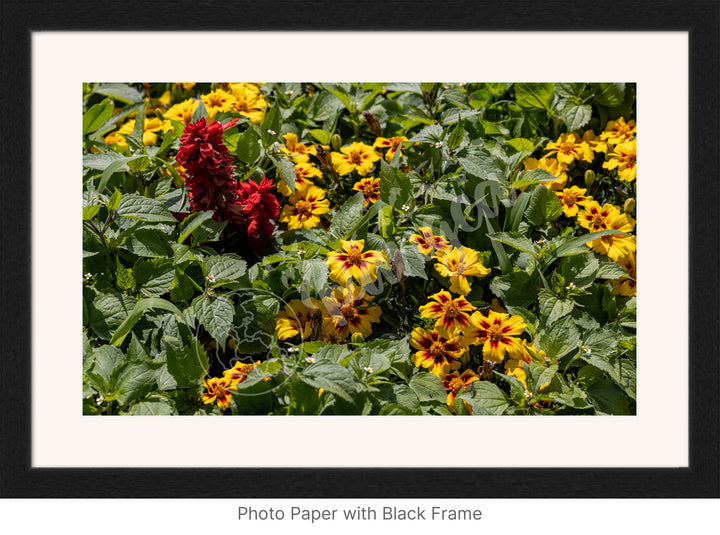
(552,166)
(296,318)
(595,217)
(616,246)
(596,142)
(438,350)
(619,131)
(455,383)
(452,314)
(393,143)
(299,152)
(571,198)
(459,263)
(370,188)
(305,205)
(349,312)
(238,373)
(427,242)
(624,158)
(568,148)
(304,173)
(181,112)
(352,262)
(218,391)
(499,335)
(248,101)
(217,101)
(357,157)
(627,285)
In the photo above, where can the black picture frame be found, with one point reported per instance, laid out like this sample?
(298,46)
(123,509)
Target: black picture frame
(700,18)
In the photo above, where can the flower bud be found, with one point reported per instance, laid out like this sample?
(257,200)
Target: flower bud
(324,156)
(589,177)
(629,205)
(372,122)
(357,338)
(336,142)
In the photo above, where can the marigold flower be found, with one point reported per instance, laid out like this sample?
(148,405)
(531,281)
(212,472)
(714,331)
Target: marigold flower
(349,312)
(299,152)
(427,242)
(304,172)
(571,198)
(459,263)
(498,334)
(626,285)
(296,318)
(150,126)
(218,390)
(619,131)
(370,188)
(238,373)
(393,143)
(616,246)
(624,158)
(595,217)
(357,157)
(438,350)
(596,143)
(181,112)
(452,314)
(552,166)
(305,205)
(568,148)
(248,101)
(455,382)
(354,263)
(218,101)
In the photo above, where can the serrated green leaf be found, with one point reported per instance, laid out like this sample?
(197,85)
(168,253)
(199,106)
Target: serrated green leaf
(535,96)
(134,381)
(574,114)
(485,395)
(215,313)
(193,222)
(558,338)
(580,270)
(154,277)
(515,240)
(609,94)
(515,289)
(395,187)
(248,146)
(138,310)
(144,209)
(189,364)
(121,92)
(151,408)
(227,267)
(428,387)
(607,398)
(332,378)
(544,206)
(90,211)
(348,215)
(108,311)
(149,243)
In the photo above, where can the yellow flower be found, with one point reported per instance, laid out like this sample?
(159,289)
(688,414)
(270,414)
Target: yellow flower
(299,151)
(571,198)
(438,350)
(248,101)
(569,147)
(349,312)
(454,382)
(627,285)
(306,204)
(117,139)
(624,158)
(357,157)
(394,143)
(619,131)
(595,217)
(552,166)
(596,143)
(238,373)
(370,188)
(150,126)
(218,390)
(452,314)
(616,246)
(459,263)
(181,112)
(218,101)
(303,176)
(352,262)
(427,243)
(166,98)
(498,333)
(296,318)
(515,368)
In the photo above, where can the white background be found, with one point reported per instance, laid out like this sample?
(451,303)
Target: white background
(657,436)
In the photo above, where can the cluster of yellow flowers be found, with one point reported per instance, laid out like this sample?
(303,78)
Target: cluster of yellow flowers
(347,310)
(219,389)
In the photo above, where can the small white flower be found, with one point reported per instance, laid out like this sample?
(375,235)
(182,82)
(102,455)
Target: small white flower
(405,208)
(210,279)
(462,84)
(309,360)
(570,286)
(271,132)
(540,241)
(527,394)
(275,147)
(293,349)
(587,349)
(209,291)
(439,145)
(301,251)
(88,276)
(289,92)
(368,369)
(99,400)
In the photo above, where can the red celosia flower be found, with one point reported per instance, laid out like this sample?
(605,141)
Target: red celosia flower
(209,177)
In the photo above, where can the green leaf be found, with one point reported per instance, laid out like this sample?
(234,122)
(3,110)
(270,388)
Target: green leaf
(90,211)
(538,375)
(544,206)
(576,245)
(532,177)
(602,342)
(315,274)
(486,167)
(254,320)
(553,307)
(428,387)
(515,240)
(515,289)
(227,267)
(610,270)
(121,92)
(287,171)
(321,136)
(485,395)
(134,381)
(149,243)
(154,277)
(331,377)
(272,121)
(138,310)
(114,201)
(609,94)
(102,160)
(413,261)
(395,187)
(215,313)
(574,114)
(607,398)
(333,353)
(248,146)
(347,215)
(108,311)
(97,115)
(457,135)
(144,209)
(558,338)
(107,359)
(580,270)
(193,222)
(151,408)
(567,90)
(188,365)
(535,96)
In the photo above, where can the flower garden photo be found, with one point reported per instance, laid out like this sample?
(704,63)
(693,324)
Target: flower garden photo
(359,248)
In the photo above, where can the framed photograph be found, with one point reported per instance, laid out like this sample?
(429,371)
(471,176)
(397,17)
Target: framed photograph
(332,263)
